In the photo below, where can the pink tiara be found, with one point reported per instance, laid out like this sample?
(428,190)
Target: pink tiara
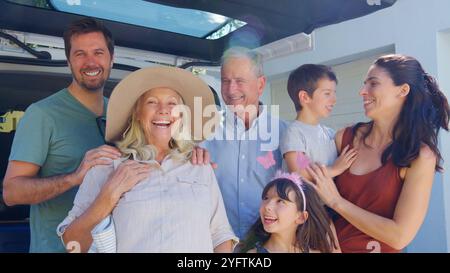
(296,179)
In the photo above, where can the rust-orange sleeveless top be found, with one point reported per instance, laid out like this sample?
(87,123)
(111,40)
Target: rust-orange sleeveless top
(377,191)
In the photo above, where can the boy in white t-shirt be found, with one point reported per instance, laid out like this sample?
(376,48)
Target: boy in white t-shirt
(312,88)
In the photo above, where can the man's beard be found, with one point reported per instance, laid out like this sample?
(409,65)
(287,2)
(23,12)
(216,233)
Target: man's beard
(92,87)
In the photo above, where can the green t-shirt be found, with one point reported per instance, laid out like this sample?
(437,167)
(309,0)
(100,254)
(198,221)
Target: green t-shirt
(54,133)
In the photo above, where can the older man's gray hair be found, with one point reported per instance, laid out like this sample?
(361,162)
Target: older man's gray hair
(242,52)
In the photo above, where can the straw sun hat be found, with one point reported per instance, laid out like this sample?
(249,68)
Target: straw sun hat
(128,91)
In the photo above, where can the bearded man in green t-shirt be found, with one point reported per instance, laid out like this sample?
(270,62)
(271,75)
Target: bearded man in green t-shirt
(55,143)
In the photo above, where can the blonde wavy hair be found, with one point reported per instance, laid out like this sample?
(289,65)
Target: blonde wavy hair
(134,143)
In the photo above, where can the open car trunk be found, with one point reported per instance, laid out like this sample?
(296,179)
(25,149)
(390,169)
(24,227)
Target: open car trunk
(19,89)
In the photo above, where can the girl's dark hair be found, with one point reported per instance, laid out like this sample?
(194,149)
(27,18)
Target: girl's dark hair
(424,112)
(314,234)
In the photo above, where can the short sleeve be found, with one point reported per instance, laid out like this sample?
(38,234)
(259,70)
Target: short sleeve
(33,137)
(292,141)
(331,132)
(221,230)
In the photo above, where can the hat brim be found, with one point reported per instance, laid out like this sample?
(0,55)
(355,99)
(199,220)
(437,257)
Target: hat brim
(189,86)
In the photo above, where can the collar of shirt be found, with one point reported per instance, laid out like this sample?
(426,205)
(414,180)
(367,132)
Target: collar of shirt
(167,164)
(238,125)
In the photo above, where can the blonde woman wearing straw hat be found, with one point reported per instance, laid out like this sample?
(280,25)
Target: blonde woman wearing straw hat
(157,200)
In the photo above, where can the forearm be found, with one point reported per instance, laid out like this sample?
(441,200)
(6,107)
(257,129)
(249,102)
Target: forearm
(380,228)
(333,171)
(293,166)
(79,230)
(32,190)
(225,247)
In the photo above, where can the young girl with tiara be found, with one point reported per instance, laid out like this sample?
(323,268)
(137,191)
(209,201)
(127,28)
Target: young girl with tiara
(292,219)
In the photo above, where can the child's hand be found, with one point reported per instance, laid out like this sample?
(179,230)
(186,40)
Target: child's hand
(344,161)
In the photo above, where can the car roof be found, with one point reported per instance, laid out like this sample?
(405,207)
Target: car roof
(270,20)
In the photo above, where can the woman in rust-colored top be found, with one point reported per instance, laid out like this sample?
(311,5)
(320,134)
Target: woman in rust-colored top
(382,199)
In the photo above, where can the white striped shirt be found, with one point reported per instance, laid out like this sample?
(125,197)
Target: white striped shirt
(179,208)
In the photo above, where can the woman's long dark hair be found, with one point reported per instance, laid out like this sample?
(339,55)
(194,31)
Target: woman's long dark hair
(314,234)
(424,112)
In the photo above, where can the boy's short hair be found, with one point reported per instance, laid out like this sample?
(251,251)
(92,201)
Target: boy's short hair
(84,26)
(305,78)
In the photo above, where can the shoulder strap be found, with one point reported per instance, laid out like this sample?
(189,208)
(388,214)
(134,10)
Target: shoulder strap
(347,138)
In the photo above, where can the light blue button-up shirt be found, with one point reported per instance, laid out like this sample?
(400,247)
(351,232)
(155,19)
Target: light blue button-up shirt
(245,164)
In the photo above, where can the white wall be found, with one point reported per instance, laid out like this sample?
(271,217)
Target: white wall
(411,27)
(443,47)
(348,109)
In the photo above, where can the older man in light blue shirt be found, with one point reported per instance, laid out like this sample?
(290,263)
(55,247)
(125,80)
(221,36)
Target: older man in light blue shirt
(246,145)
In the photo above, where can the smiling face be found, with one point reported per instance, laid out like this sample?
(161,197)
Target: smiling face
(381,97)
(279,215)
(323,99)
(90,61)
(240,84)
(155,114)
